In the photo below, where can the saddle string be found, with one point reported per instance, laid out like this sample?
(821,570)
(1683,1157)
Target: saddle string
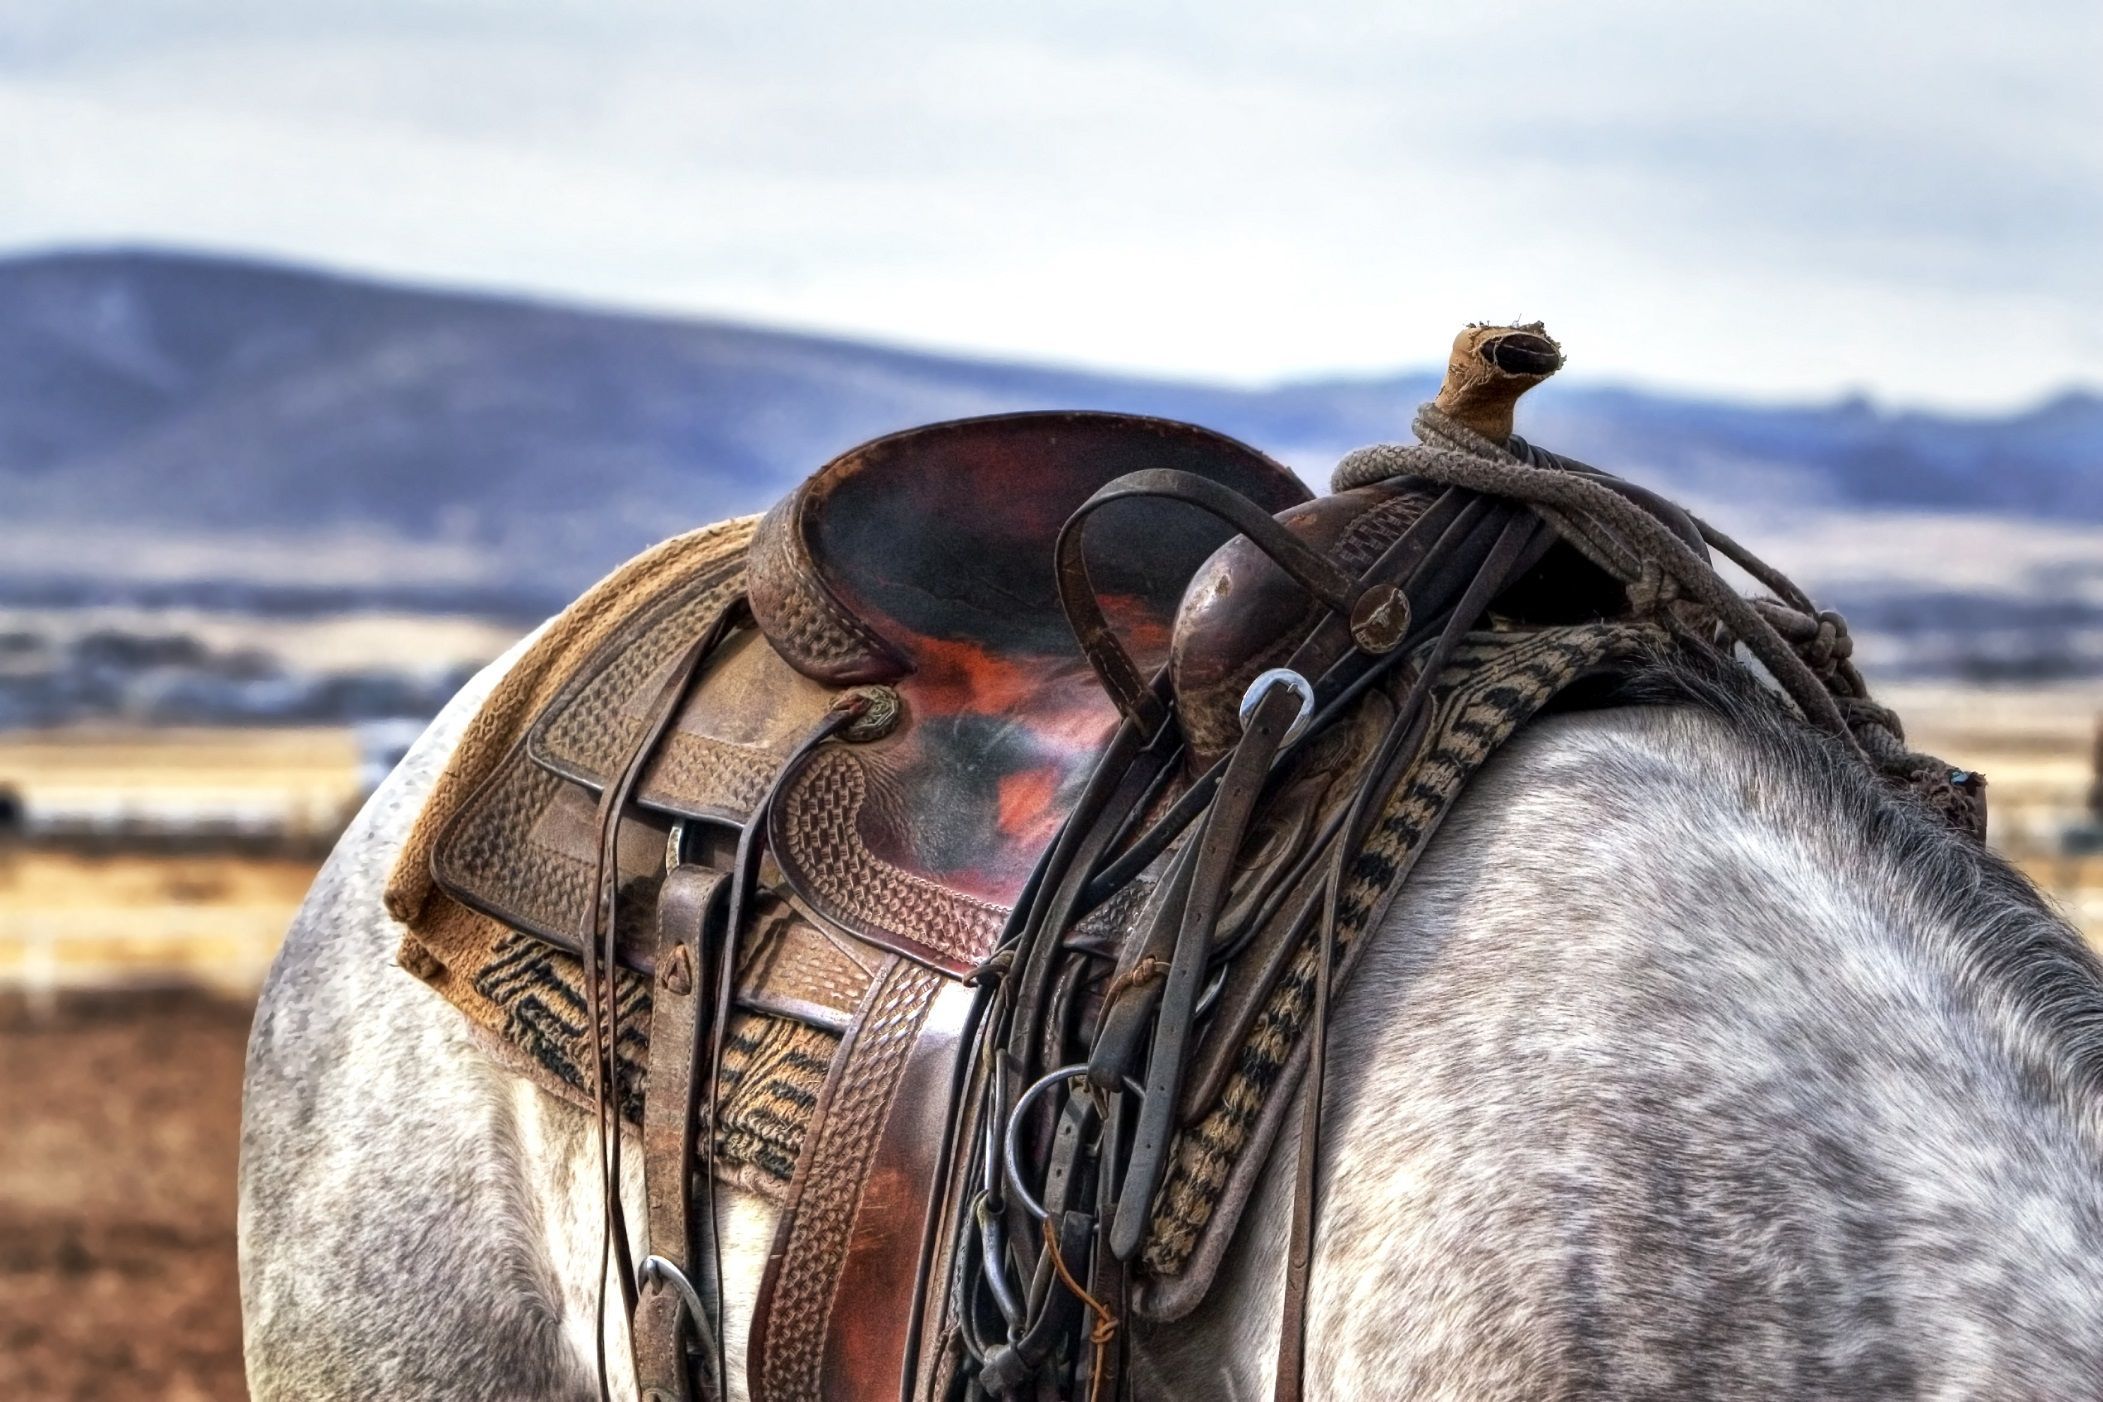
(600,965)
(1215,849)
(1086,836)
(845,710)
(600,950)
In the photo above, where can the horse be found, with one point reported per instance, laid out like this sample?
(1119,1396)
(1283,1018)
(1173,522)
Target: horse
(1690,1062)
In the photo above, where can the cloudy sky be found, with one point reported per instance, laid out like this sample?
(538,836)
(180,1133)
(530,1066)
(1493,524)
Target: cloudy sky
(1788,200)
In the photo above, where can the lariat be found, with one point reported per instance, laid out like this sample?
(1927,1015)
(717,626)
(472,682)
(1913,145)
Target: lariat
(1807,650)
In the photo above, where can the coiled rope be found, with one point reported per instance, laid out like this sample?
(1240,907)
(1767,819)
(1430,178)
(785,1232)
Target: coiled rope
(1807,650)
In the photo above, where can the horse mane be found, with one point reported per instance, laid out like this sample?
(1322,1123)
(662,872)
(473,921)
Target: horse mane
(2019,961)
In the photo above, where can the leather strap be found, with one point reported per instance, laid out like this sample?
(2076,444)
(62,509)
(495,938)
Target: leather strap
(600,960)
(799,1295)
(1367,605)
(1213,869)
(1516,542)
(664,1322)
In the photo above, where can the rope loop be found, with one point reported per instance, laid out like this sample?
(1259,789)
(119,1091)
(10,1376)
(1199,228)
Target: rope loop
(1668,577)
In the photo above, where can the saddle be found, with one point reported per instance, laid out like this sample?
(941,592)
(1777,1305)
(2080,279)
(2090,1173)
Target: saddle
(1034,776)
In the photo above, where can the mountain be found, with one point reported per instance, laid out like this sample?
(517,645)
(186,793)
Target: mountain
(216,422)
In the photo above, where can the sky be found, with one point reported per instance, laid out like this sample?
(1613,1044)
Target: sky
(1779,200)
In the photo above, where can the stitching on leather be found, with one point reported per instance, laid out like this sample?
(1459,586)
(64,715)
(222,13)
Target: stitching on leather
(849,1129)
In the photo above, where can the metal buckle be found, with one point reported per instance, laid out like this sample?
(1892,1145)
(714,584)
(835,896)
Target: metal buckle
(656,1268)
(1280,676)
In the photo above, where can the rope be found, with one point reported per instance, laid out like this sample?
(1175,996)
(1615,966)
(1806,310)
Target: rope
(1105,1329)
(1657,567)
(1806,649)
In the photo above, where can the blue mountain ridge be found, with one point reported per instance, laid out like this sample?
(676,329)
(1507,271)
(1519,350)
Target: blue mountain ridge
(164,393)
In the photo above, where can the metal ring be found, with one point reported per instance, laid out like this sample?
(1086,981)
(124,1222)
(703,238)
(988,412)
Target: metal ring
(1280,676)
(656,1268)
(1014,1150)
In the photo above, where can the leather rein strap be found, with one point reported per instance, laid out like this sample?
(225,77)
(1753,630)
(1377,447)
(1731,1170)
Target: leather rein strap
(1368,604)
(668,1302)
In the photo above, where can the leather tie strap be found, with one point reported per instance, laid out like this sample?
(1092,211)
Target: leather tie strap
(688,911)
(1218,844)
(600,958)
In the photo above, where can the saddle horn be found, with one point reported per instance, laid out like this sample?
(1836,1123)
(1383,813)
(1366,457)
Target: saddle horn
(1242,614)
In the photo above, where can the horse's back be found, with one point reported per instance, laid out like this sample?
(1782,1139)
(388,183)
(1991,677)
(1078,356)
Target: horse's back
(1656,1082)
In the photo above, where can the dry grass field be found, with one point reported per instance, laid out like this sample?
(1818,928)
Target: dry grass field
(163,856)
(122,1122)
(121,1110)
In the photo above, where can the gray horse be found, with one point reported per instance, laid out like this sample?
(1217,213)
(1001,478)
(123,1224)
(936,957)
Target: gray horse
(1691,1063)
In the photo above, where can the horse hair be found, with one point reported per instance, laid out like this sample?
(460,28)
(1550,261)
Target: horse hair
(2021,953)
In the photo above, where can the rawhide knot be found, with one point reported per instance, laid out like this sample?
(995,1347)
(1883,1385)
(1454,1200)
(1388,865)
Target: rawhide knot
(1957,796)
(1653,591)
(879,711)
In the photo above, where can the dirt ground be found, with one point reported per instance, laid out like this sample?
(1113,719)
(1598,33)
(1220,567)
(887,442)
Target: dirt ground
(117,1275)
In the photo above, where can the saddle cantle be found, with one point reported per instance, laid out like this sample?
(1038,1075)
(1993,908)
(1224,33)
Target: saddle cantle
(1008,799)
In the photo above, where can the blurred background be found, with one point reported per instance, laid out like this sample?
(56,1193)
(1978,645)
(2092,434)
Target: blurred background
(341,343)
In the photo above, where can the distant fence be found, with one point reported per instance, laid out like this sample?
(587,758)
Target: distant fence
(149,837)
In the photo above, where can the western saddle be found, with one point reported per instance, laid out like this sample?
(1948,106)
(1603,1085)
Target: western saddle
(1023,756)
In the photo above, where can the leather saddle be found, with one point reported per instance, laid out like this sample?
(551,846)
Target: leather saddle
(1046,762)
(919,563)
(968,690)
(985,746)
(878,726)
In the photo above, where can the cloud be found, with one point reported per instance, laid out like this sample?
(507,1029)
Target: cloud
(1786,200)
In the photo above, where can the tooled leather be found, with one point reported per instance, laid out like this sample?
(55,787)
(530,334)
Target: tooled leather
(487,858)
(697,772)
(799,614)
(588,729)
(818,843)
(789,1343)
(787,965)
